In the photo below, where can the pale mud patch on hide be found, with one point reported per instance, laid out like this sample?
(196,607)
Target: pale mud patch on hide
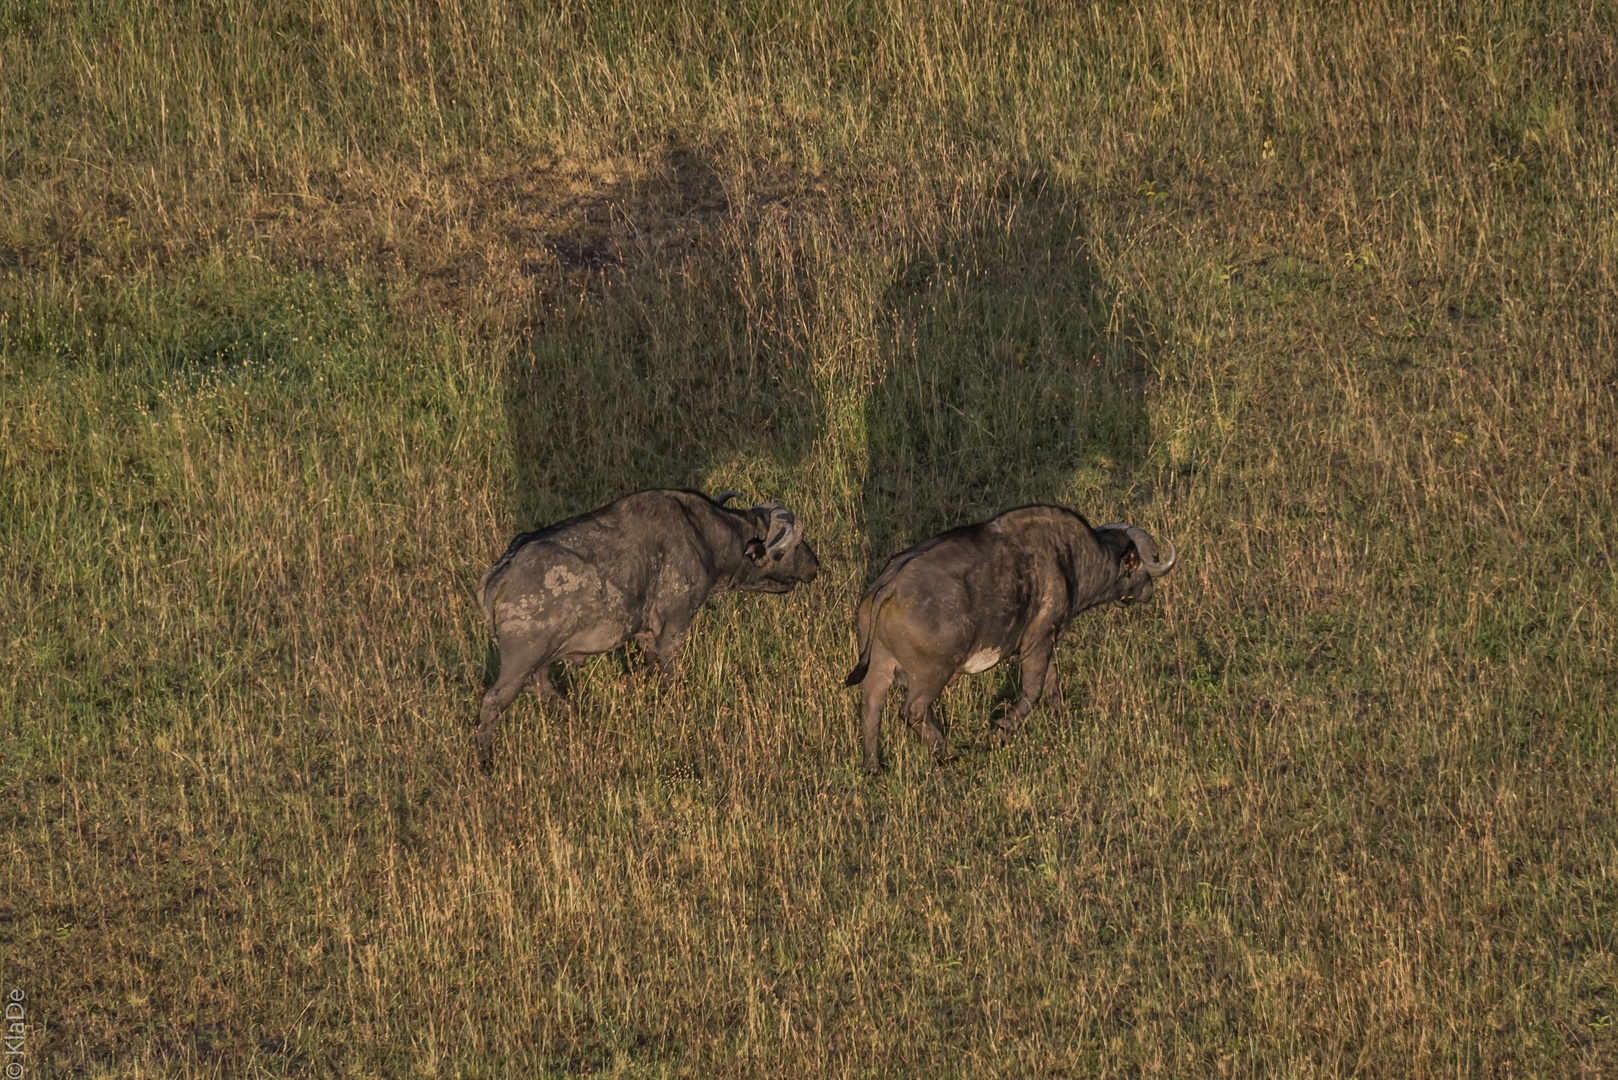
(560,579)
(982,660)
(521,617)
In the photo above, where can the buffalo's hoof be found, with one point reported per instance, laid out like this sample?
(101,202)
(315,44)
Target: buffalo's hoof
(999,737)
(873,766)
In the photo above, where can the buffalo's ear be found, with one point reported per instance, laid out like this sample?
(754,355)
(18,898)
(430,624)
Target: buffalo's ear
(1115,542)
(754,549)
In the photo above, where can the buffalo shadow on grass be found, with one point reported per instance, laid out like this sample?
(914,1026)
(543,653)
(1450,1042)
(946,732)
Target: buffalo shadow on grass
(661,355)
(1011,375)
(676,342)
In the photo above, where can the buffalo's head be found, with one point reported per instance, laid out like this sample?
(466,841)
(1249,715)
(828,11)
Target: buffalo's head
(1139,562)
(779,559)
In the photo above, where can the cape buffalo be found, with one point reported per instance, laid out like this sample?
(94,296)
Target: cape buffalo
(636,568)
(972,597)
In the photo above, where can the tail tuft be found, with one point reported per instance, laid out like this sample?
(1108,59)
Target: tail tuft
(485,601)
(857,676)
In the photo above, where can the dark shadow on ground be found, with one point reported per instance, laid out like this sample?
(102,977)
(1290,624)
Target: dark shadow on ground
(1006,379)
(665,353)
(677,338)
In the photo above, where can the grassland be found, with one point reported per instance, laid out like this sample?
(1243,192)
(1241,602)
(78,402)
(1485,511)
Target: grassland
(305,309)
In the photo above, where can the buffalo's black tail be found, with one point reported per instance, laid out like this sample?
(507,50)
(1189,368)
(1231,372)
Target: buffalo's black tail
(868,609)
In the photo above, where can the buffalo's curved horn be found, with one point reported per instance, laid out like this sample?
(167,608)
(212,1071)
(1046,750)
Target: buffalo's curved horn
(725,496)
(783,529)
(1147,547)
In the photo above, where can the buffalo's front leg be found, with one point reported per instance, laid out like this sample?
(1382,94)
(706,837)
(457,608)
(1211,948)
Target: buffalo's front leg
(1053,687)
(1037,668)
(667,660)
(664,647)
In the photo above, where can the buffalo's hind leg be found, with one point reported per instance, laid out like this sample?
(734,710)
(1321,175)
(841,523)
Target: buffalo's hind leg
(918,701)
(517,668)
(541,686)
(500,695)
(875,686)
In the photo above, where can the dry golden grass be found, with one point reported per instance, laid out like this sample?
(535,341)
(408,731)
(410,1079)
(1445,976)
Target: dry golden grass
(304,310)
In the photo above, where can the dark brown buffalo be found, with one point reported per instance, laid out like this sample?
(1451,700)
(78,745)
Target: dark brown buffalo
(637,568)
(978,595)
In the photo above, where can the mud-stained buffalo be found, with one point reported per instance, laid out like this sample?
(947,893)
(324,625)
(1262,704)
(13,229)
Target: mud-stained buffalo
(636,568)
(977,595)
